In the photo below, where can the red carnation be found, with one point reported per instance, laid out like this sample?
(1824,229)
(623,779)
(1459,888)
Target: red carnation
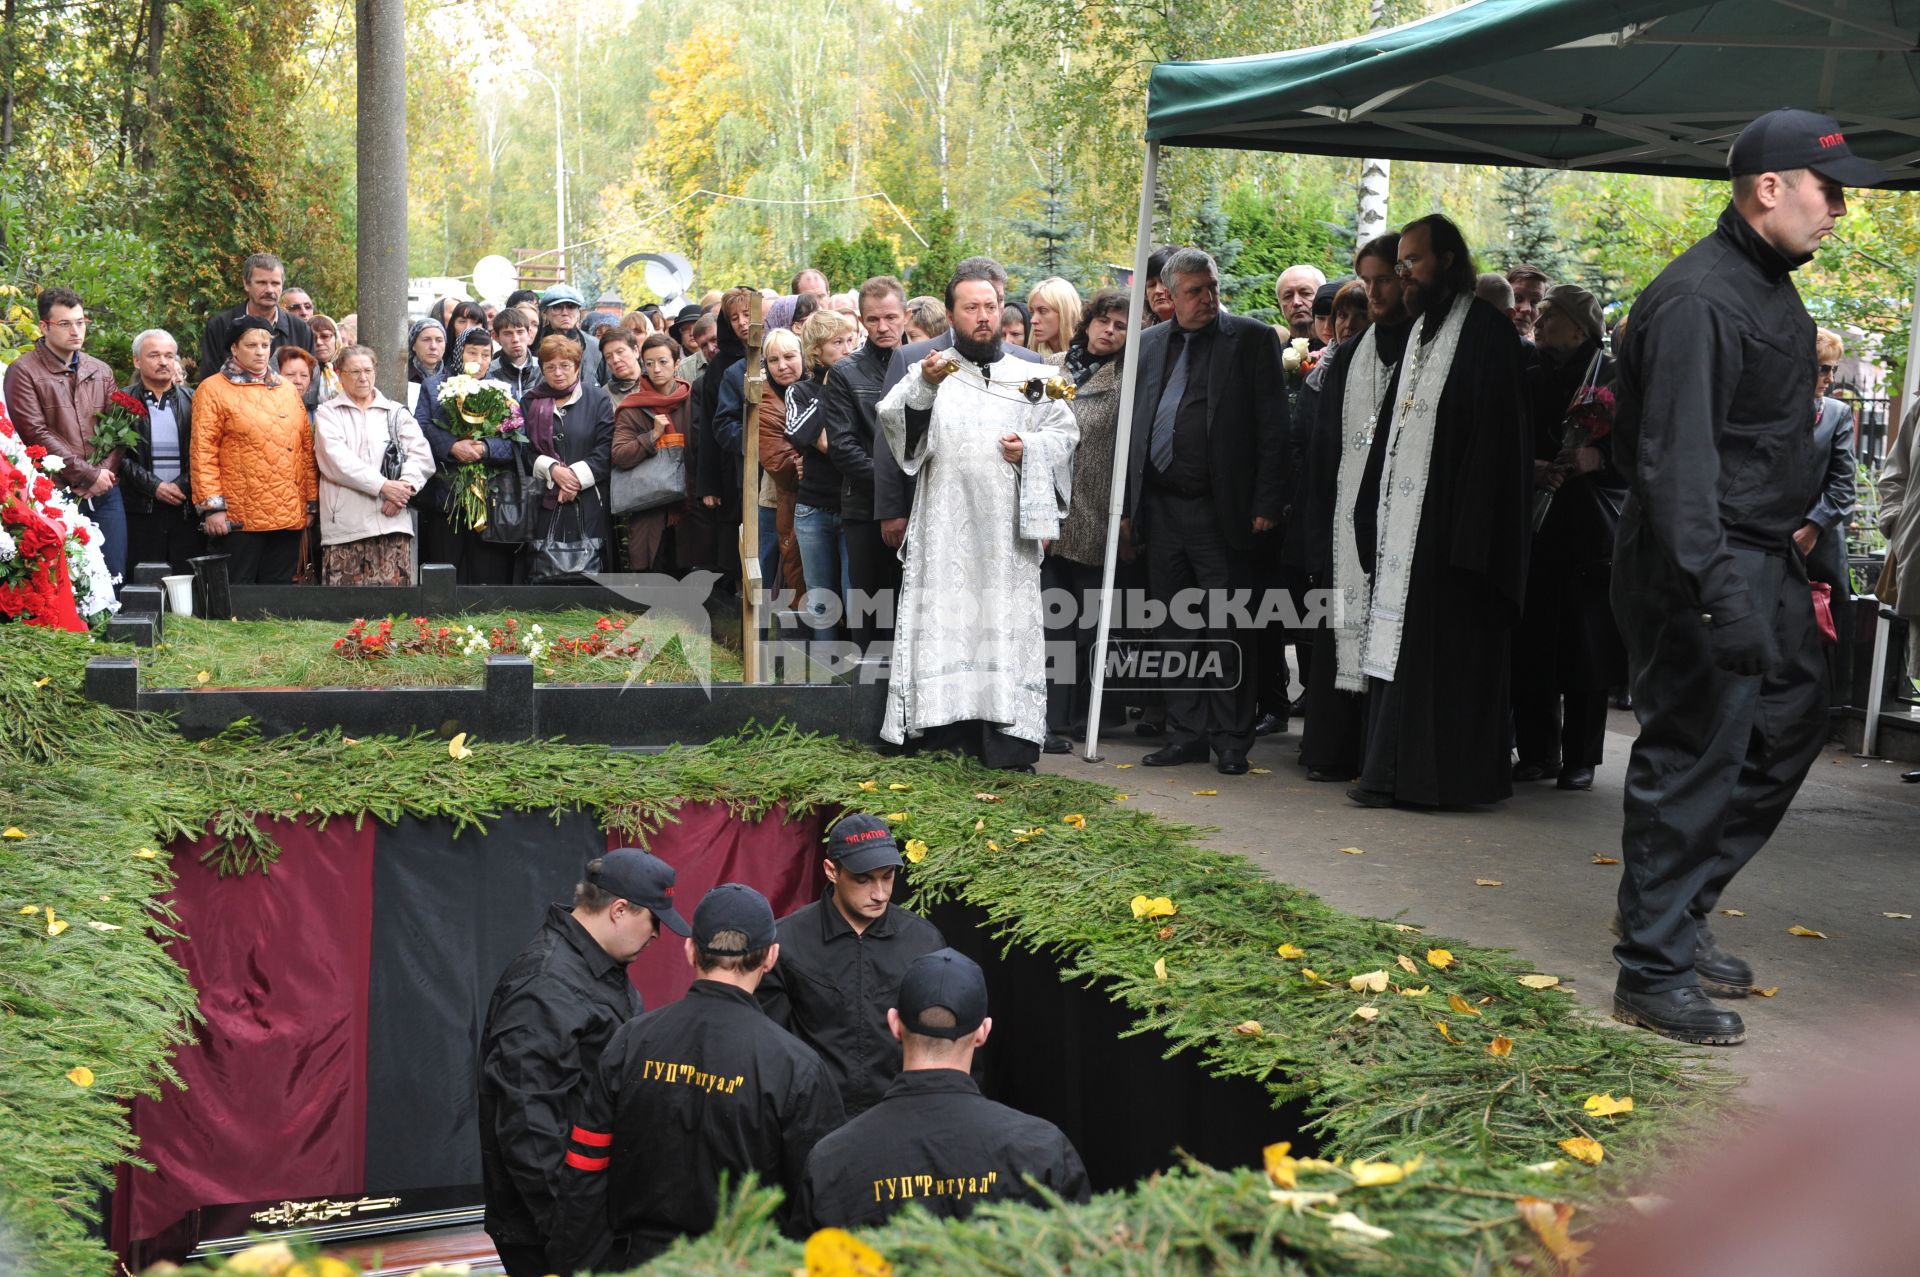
(80,535)
(43,489)
(35,452)
(122,399)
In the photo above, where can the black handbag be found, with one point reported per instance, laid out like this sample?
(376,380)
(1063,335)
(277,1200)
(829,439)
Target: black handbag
(394,459)
(552,558)
(513,502)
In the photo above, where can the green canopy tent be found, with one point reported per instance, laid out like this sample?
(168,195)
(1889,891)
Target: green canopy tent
(1634,86)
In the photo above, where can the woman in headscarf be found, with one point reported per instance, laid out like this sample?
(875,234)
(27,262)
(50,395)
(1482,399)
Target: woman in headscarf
(252,464)
(1014,324)
(425,353)
(569,422)
(660,407)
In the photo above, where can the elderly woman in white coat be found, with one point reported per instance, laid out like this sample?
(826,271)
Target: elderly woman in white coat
(366,529)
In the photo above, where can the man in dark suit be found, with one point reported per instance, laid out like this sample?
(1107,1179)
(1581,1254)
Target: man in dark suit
(1206,472)
(892,490)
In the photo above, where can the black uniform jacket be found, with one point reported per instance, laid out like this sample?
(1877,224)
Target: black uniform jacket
(833,987)
(934,1139)
(703,1087)
(552,1014)
(1712,427)
(851,403)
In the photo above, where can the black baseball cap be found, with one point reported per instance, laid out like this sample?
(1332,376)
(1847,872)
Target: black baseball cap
(948,980)
(734,906)
(861,843)
(640,878)
(1788,139)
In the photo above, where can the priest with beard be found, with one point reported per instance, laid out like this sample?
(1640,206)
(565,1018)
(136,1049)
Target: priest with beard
(993,456)
(1430,541)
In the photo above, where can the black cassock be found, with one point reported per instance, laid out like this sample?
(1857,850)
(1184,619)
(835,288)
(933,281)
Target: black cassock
(1437,735)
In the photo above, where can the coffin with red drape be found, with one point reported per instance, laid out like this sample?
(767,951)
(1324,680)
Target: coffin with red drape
(344,994)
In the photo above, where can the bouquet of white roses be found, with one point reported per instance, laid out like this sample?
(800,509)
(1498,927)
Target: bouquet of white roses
(482,411)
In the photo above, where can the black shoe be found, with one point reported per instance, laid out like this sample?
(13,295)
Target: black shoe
(1912,777)
(1721,974)
(1232,763)
(1175,755)
(1531,771)
(1685,1013)
(1575,778)
(1269,725)
(1057,745)
(1149,727)
(1314,773)
(1298,709)
(1370,797)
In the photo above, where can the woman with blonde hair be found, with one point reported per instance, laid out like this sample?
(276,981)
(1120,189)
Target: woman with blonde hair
(827,337)
(1054,305)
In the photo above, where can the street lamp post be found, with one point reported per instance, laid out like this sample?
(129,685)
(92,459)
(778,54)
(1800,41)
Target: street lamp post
(559,174)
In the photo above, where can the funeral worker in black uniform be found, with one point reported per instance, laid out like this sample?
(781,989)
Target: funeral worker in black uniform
(1728,679)
(841,959)
(933,1138)
(705,1087)
(552,1014)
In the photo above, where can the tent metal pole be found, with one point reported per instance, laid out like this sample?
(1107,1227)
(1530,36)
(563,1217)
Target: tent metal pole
(1122,444)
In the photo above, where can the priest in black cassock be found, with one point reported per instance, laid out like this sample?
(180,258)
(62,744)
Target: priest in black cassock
(1430,541)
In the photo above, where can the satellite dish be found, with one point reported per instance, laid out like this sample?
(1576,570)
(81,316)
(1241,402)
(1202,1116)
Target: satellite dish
(668,275)
(494,277)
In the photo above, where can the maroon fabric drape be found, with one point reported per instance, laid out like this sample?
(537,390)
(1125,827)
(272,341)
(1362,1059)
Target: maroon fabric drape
(276,1083)
(778,857)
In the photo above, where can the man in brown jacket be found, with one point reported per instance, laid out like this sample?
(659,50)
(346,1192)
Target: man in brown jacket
(54,392)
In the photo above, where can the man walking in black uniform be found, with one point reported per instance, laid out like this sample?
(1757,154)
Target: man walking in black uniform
(1206,474)
(1712,430)
(841,959)
(551,1016)
(933,1138)
(705,1087)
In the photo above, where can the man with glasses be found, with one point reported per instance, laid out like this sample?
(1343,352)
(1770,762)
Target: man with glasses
(296,301)
(54,393)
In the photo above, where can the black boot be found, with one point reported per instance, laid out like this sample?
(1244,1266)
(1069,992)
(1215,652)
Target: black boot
(1685,1013)
(1721,974)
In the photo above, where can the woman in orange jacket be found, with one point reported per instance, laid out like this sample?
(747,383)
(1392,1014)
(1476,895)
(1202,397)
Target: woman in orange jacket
(253,469)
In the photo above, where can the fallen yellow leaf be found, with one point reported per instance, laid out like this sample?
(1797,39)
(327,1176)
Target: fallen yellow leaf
(916,850)
(349,740)
(13,831)
(979,826)
(1420,992)
(1734,913)
(268,1259)
(457,747)
(1353,851)
(1152,907)
(1291,951)
(202,677)
(1299,1201)
(992,845)
(80,1075)
(1546,1168)
(1606,860)
(1205,793)
(144,853)
(1582,1149)
(834,1252)
(1368,1174)
(1460,1005)
(1160,968)
(1261,771)
(895,817)
(1120,767)
(1406,964)
(1500,1048)
(1280,1167)
(55,925)
(321,1266)
(1488,882)
(1808,932)
(1402,926)
(1440,959)
(1074,819)
(1767,992)
(1607,1106)
(41,682)
(1248,1028)
(1897,915)
(899,787)
(1366,1013)
(1348,1222)
(1442,1026)
(102,926)
(1120,798)
(1549,1222)
(1370,982)
(29,910)
(1540,981)
(868,786)
(1313,977)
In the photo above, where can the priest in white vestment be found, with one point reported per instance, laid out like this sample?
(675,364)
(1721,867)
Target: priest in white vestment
(994,458)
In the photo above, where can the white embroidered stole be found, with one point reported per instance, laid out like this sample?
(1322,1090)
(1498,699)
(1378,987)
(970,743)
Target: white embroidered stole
(1365,391)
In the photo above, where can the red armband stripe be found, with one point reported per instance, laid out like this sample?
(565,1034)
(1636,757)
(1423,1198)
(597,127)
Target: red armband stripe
(581,1162)
(592,1139)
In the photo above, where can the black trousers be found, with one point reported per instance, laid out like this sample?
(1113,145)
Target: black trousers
(163,535)
(1719,756)
(1070,688)
(873,568)
(523,1260)
(259,558)
(1552,737)
(1273,675)
(1185,551)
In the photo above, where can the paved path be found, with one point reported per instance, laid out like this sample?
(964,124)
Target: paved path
(1848,851)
